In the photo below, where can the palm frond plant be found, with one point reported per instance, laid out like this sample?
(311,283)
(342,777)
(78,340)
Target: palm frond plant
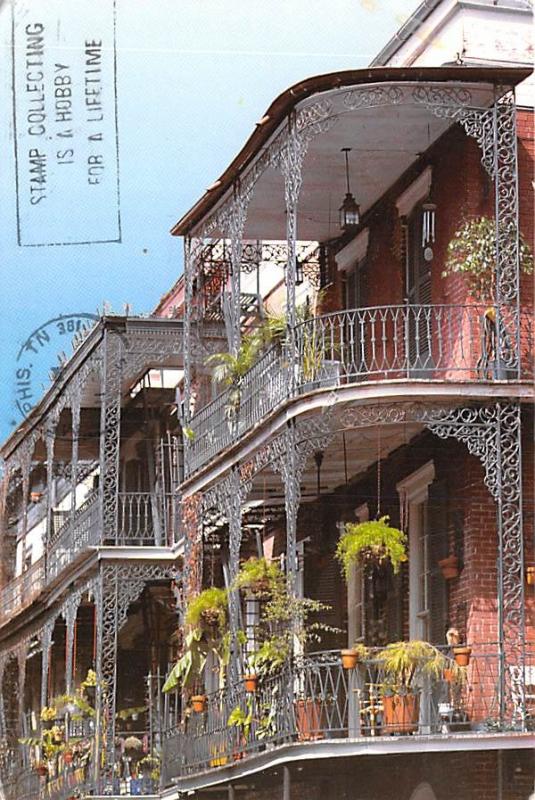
(404,662)
(373,541)
(229,369)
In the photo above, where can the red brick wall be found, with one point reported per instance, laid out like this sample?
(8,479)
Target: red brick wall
(466,775)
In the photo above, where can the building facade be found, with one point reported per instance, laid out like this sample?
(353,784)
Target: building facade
(360,283)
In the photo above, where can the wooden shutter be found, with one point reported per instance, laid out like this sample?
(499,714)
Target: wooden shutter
(437,521)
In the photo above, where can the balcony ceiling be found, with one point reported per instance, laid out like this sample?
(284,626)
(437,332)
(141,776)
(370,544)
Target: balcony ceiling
(385,139)
(347,456)
(385,142)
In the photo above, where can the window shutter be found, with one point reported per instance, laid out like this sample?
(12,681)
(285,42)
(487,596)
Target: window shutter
(437,520)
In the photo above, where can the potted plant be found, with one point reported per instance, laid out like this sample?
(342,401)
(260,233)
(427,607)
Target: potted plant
(461,654)
(472,254)
(241,720)
(229,369)
(48,715)
(371,542)
(198,703)
(352,655)
(250,681)
(402,662)
(89,685)
(449,567)
(41,769)
(209,609)
(258,576)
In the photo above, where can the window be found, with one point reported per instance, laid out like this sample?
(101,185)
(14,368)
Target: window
(413,492)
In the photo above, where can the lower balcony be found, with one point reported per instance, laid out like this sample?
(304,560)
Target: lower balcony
(446,343)
(321,701)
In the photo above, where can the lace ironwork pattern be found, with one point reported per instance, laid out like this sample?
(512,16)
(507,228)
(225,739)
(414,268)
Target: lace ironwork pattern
(119,586)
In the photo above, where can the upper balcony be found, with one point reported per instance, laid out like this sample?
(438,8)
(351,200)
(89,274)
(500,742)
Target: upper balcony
(420,273)
(96,462)
(353,348)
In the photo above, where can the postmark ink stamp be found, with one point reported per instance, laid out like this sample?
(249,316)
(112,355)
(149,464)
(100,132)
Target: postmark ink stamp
(40,355)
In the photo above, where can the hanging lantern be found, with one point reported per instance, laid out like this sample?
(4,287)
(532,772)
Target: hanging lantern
(350,209)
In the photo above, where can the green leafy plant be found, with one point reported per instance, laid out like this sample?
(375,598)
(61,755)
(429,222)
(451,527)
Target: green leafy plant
(228,369)
(240,719)
(401,662)
(90,679)
(209,608)
(472,254)
(48,713)
(191,663)
(361,650)
(271,656)
(127,713)
(371,541)
(258,576)
(189,433)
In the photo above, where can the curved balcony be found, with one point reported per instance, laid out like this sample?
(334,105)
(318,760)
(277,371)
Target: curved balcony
(319,700)
(443,343)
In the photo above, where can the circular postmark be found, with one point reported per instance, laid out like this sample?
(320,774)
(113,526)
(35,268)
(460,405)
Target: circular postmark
(40,357)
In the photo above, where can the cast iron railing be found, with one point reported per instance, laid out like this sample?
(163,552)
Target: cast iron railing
(144,519)
(22,590)
(400,342)
(318,699)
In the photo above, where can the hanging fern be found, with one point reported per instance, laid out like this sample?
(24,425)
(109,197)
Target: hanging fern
(371,541)
(209,607)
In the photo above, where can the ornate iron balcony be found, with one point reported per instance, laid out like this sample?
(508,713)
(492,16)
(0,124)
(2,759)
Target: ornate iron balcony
(468,343)
(318,699)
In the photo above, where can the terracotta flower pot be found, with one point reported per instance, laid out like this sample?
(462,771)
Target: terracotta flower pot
(308,719)
(449,567)
(68,757)
(41,769)
(462,656)
(448,675)
(350,658)
(35,496)
(401,712)
(530,576)
(251,683)
(198,703)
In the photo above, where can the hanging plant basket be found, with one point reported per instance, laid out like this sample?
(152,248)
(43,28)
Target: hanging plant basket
(371,542)
(462,656)
(449,567)
(198,703)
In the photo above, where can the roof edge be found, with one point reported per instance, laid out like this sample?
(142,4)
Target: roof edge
(286,101)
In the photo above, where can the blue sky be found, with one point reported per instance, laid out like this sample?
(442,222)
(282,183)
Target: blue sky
(193,76)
